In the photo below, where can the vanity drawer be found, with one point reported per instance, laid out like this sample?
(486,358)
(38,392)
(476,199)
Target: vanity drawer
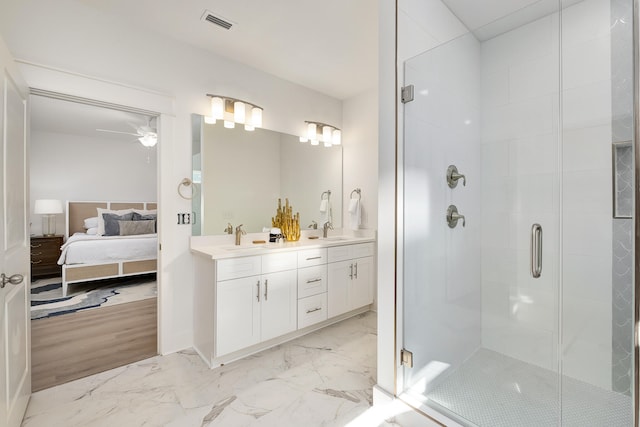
(312,310)
(279,262)
(345,252)
(312,281)
(311,257)
(235,268)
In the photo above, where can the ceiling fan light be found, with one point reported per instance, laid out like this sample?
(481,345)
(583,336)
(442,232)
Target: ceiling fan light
(256,117)
(336,138)
(327,144)
(229,124)
(249,128)
(217,108)
(209,120)
(315,142)
(148,140)
(304,139)
(238,112)
(311,131)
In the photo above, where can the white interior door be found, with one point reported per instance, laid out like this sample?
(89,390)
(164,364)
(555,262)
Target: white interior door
(15,350)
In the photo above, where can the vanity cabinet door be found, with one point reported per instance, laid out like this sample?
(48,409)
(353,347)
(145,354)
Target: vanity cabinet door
(278,304)
(361,286)
(338,283)
(238,314)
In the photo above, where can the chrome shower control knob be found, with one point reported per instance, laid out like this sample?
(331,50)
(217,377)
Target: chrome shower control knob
(453,217)
(453,176)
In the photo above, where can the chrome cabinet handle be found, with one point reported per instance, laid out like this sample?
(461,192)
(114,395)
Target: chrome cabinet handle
(36,246)
(36,262)
(36,253)
(266,289)
(258,291)
(355,275)
(15,279)
(453,176)
(536,250)
(314,310)
(315,257)
(314,280)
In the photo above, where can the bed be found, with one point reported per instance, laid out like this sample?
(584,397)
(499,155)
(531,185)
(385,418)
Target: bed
(86,257)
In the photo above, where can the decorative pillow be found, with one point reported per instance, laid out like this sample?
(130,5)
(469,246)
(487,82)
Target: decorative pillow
(92,231)
(108,211)
(151,216)
(130,228)
(91,222)
(112,223)
(146,212)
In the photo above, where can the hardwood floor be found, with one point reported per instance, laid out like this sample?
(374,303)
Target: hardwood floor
(72,346)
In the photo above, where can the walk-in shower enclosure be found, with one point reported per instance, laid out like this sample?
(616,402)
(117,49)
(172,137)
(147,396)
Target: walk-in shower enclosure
(517,211)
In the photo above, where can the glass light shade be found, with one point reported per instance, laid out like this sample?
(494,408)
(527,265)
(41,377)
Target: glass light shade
(238,112)
(336,138)
(315,142)
(304,139)
(249,128)
(327,144)
(209,120)
(148,140)
(326,134)
(229,124)
(217,108)
(256,117)
(312,131)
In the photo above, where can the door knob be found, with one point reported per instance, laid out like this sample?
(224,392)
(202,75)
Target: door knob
(453,217)
(16,279)
(453,176)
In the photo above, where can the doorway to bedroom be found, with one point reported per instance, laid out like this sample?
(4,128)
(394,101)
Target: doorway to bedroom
(93,197)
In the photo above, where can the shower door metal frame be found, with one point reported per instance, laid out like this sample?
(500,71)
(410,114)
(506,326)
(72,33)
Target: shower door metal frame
(636,227)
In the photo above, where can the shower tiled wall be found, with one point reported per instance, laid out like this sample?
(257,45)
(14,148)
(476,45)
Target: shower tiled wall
(622,108)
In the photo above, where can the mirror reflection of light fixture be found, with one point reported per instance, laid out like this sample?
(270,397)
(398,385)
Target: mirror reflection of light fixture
(232,111)
(321,132)
(48,209)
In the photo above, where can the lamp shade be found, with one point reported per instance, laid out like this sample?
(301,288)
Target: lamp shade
(47,207)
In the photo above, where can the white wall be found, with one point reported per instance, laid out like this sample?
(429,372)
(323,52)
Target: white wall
(99,56)
(72,167)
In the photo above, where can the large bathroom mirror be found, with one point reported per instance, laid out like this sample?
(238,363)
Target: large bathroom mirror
(240,176)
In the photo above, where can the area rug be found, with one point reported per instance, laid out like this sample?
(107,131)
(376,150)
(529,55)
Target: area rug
(47,299)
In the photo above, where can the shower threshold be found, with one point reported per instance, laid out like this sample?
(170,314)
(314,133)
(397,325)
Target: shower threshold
(494,390)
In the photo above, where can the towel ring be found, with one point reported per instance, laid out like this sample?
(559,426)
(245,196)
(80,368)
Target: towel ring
(357,190)
(328,193)
(186,183)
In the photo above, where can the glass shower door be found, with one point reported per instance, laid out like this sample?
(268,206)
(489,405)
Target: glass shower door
(517,242)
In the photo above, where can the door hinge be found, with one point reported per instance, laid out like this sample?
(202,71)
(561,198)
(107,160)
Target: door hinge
(407,94)
(406,358)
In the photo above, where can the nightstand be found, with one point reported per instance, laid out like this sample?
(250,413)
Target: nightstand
(45,251)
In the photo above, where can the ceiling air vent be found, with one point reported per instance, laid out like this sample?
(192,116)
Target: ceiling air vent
(218,20)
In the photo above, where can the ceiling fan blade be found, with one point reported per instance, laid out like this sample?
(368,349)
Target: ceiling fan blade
(116,131)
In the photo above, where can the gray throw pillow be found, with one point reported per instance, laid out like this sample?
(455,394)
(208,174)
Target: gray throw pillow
(111,225)
(130,228)
(139,217)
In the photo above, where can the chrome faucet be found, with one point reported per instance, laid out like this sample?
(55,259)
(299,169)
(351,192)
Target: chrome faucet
(229,229)
(325,228)
(239,233)
(313,225)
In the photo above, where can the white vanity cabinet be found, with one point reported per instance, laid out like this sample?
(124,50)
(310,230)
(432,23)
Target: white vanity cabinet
(350,277)
(255,308)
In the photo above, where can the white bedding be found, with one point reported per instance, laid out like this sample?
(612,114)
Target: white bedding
(83,248)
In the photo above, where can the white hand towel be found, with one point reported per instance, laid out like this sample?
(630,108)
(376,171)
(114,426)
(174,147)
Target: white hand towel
(324,205)
(355,214)
(325,211)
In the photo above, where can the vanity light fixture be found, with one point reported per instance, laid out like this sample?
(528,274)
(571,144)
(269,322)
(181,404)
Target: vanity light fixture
(232,111)
(321,132)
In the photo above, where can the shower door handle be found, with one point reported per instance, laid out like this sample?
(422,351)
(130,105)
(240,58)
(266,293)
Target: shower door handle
(536,250)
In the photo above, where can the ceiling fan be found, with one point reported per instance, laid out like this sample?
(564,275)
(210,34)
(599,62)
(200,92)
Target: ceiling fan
(145,134)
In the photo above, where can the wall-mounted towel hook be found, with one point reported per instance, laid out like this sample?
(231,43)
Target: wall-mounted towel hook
(186,182)
(327,193)
(358,192)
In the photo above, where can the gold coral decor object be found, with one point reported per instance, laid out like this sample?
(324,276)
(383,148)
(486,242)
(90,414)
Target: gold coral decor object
(287,222)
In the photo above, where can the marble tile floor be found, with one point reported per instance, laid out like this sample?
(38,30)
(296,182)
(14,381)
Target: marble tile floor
(322,379)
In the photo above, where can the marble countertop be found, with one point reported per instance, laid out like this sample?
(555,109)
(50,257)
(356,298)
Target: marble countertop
(221,247)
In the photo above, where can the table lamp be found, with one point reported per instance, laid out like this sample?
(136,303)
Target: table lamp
(48,209)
